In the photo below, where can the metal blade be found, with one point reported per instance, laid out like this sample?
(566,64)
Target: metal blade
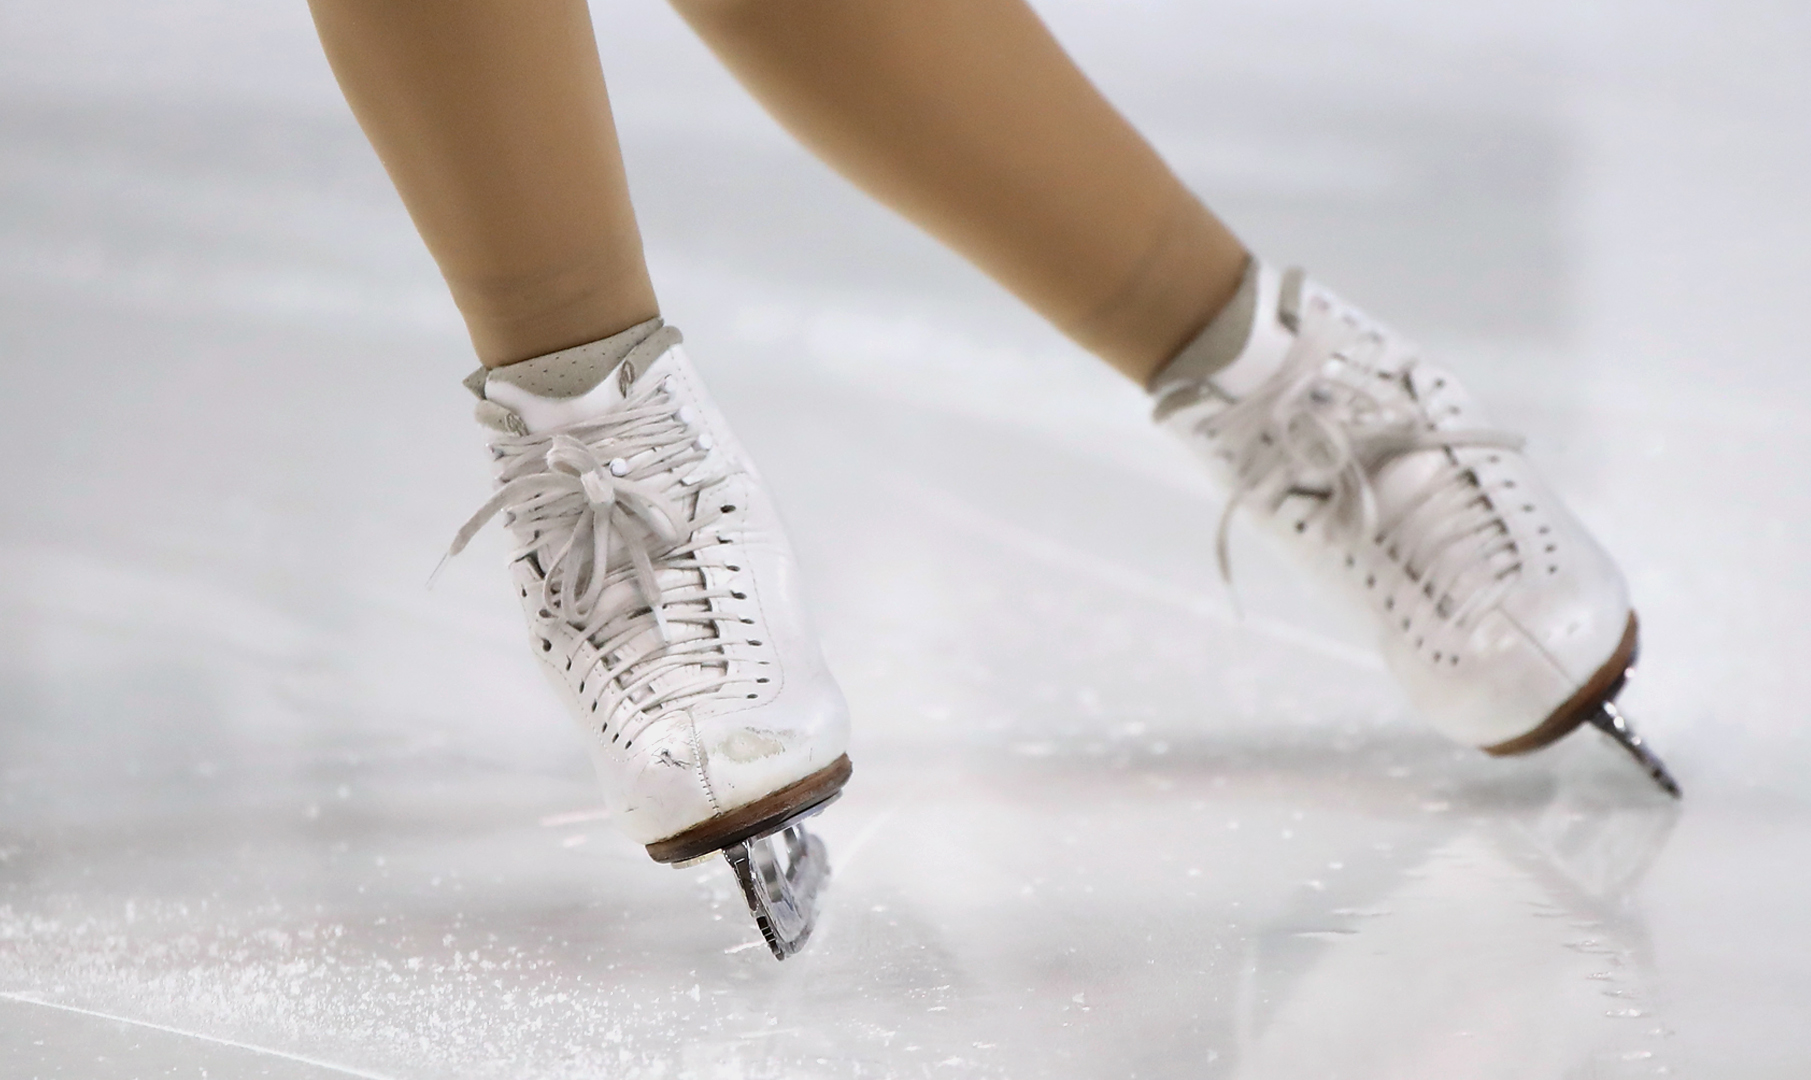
(781,875)
(1609,720)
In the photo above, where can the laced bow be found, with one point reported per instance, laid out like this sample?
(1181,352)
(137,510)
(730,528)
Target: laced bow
(1328,425)
(609,500)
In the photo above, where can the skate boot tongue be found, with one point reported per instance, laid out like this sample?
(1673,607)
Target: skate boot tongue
(608,508)
(1244,345)
(565,387)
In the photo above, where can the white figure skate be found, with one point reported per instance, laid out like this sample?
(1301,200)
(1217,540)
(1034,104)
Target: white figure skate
(662,601)
(1505,621)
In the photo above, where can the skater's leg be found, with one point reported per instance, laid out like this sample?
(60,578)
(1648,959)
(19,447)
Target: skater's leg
(642,529)
(1506,622)
(492,119)
(968,117)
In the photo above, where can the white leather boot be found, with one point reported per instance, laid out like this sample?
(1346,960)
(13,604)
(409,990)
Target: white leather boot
(662,601)
(1508,625)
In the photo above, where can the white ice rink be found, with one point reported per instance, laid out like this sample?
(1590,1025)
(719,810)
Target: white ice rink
(269,807)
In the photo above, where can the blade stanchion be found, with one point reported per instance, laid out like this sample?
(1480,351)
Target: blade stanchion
(782,875)
(1609,720)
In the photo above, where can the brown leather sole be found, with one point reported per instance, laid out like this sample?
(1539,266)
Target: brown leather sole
(1601,687)
(757,818)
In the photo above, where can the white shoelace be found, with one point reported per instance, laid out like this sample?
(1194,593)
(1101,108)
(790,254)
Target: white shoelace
(1327,424)
(613,513)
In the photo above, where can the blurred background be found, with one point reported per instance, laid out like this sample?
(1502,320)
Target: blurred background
(270,807)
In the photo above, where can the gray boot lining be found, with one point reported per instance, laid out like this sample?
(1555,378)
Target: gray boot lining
(1218,344)
(570,372)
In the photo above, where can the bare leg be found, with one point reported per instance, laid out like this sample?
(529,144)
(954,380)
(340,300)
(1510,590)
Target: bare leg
(967,117)
(492,119)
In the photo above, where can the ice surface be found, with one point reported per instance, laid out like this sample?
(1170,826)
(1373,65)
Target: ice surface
(268,807)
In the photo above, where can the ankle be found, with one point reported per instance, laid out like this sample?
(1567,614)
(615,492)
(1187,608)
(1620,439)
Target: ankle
(524,316)
(1191,272)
